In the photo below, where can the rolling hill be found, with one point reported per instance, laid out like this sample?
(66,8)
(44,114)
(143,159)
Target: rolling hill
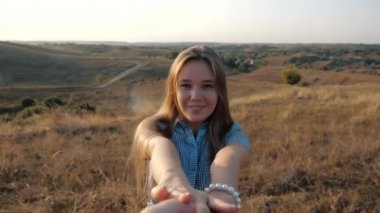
(28,65)
(315,147)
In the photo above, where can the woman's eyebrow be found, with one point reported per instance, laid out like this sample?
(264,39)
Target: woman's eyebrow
(189,81)
(184,81)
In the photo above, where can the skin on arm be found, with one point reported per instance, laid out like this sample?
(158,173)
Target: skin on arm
(225,169)
(165,164)
(167,171)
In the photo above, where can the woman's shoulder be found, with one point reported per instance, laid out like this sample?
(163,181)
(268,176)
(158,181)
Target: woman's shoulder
(235,127)
(155,122)
(154,119)
(236,134)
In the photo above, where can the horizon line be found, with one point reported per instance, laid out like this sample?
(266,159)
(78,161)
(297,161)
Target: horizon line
(183,42)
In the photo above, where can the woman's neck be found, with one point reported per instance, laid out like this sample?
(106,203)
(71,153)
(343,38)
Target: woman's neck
(195,130)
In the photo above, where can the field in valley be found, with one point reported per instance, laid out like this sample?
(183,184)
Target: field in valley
(315,145)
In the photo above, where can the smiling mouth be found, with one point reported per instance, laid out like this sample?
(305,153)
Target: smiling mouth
(196,107)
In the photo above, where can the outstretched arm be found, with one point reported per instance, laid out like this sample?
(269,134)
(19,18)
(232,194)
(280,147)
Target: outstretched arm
(165,164)
(167,171)
(225,169)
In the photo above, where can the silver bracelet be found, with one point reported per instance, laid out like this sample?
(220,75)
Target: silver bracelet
(226,188)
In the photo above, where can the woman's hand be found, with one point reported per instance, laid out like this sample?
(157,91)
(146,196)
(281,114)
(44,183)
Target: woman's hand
(216,201)
(188,196)
(170,205)
(161,193)
(220,201)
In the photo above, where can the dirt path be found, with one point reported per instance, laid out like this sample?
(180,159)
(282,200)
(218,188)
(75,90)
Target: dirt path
(122,75)
(68,89)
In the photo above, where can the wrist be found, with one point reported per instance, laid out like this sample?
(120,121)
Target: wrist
(225,192)
(173,179)
(222,195)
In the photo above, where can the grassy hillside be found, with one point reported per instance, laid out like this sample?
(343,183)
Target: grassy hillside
(26,65)
(314,148)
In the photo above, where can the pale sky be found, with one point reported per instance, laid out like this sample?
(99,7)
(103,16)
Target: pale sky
(241,21)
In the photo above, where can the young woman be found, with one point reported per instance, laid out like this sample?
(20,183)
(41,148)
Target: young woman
(195,149)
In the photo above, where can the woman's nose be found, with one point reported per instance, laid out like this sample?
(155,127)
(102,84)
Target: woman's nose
(195,93)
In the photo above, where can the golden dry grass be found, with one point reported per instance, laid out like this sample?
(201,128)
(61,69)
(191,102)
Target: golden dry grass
(314,149)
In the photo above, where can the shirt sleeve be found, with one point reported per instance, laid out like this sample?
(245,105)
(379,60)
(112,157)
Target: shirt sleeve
(236,135)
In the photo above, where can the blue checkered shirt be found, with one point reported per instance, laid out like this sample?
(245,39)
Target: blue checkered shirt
(194,154)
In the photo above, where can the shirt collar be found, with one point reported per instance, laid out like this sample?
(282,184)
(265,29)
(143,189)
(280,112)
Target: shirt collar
(181,123)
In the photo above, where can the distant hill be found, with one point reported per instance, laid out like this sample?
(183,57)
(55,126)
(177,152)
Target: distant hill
(22,64)
(73,63)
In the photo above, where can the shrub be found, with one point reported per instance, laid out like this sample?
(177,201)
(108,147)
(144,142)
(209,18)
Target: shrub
(27,102)
(291,75)
(87,107)
(30,111)
(171,54)
(53,102)
(244,67)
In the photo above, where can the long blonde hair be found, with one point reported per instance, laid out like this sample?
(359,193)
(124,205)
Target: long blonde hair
(220,121)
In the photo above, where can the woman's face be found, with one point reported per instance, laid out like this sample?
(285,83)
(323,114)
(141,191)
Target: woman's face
(196,93)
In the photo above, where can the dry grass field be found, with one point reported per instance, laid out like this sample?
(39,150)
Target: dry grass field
(314,149)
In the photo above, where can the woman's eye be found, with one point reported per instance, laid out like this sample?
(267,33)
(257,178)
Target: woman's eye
(208,86)
(185,86)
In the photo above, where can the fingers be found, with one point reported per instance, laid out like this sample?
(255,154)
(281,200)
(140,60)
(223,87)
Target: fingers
(161,193)
(182,200)
(185,198)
